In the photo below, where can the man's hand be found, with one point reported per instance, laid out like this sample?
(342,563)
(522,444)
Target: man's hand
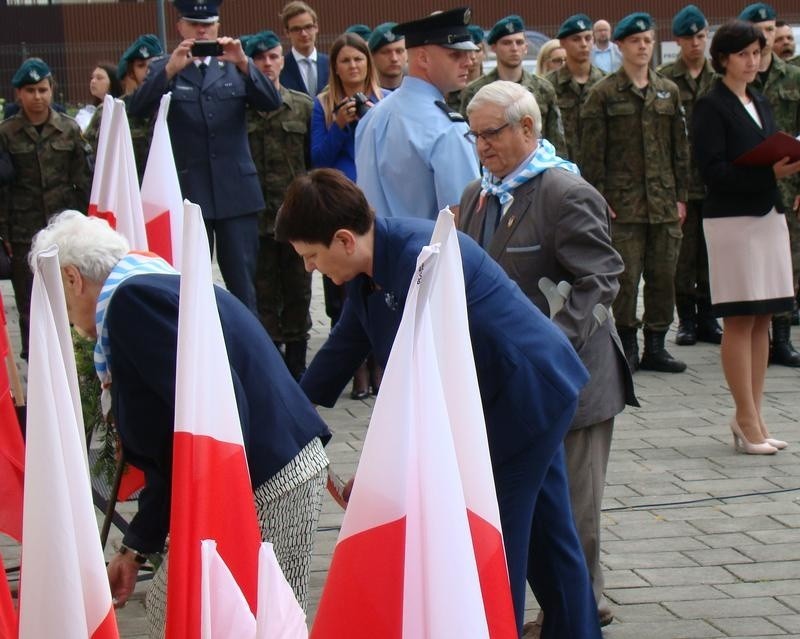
(122,572)
(681,212)
(180,59)
(232,52)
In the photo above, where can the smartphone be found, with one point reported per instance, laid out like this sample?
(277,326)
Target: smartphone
(205,48)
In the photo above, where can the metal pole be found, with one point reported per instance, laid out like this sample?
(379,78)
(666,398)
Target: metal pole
(162,24)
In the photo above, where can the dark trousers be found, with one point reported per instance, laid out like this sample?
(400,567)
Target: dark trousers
(542,546)
(22,281)
(692,292)
(236,241)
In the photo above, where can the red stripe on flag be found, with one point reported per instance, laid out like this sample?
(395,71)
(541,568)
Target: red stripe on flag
(108,216)
(8,615)
(363,596)
(132,480)
(212,498)
(490,558)
(107,629)
(159,235)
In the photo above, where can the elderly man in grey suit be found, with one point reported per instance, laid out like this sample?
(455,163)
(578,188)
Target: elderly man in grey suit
(548,228)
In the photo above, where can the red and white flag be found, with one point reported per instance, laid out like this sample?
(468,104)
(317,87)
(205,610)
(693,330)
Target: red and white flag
(225,612)
(212,497)
(64,589)
(8,615)
(115,188)
(162,201)
(279,614)
(420,553)
(12,448)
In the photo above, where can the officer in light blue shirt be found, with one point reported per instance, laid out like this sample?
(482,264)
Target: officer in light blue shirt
(412,158)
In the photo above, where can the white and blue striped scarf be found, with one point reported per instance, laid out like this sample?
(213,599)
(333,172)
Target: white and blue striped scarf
(129,266)
(543,158)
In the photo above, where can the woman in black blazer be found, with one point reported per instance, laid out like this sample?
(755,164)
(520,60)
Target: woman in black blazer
(745,227)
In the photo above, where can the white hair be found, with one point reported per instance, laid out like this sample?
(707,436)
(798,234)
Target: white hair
(88,243)
(515,99)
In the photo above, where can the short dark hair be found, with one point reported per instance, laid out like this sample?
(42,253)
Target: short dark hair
(732,37)
(318,204)
(781,23)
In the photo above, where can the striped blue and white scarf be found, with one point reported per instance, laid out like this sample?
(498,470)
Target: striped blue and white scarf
(542,159)
(129,266)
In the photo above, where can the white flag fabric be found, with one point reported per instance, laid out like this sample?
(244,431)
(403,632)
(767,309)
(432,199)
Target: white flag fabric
(162,201)
(420,554)
(225,612)
(279,614)
(115,187)
(64,589)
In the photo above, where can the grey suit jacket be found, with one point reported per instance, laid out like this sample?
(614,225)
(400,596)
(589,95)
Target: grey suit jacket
(557,227)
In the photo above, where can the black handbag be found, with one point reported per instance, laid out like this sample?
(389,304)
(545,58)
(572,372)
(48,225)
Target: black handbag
(5,261)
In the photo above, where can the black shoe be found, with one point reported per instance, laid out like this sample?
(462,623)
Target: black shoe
(630,346)
(687,333)
(295,358)
(795,317)
(709,330)
(783,352)
(656,357)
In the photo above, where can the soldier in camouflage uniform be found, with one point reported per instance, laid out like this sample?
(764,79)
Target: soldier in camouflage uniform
(573,81)
(51,173)
(693,74)
(780,84)
(279,142)
(635,152)
(507,40)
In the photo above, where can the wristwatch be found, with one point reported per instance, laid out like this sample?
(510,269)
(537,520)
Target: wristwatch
(138,557)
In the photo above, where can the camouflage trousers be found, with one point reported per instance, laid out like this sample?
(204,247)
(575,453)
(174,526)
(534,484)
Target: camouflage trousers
(283,291)
(794,241)
(22,281)
(692,292)
(649,250)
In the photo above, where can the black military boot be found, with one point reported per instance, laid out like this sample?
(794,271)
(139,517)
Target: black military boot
(687,332)
(631,347)
(296,358)
(782,351)
(656,357)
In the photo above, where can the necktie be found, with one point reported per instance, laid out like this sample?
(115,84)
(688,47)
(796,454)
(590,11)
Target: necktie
(491,219)
(311,76)
(203,68)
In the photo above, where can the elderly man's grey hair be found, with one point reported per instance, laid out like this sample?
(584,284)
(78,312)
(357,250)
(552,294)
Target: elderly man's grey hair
(514,98)
(88,243)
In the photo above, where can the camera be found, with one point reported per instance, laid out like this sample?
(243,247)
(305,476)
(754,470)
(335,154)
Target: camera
(361,104)
(205,48)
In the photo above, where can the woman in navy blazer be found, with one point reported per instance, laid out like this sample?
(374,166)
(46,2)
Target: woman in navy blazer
(745,227)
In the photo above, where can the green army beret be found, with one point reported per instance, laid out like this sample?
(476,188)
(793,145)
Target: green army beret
(260,42)
(631,24)
(360,29)
(758,12)
(578,23)
(143,48)
(476,32)
(507,26)
(32,71)
(382,35)
(688,21)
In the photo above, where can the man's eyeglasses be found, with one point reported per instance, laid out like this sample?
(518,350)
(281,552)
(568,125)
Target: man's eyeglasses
(488,135)
(300,29)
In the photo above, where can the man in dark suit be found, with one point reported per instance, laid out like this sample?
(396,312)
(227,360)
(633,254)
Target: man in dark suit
(304,69)
(553,224)
(207,123)
(529,376)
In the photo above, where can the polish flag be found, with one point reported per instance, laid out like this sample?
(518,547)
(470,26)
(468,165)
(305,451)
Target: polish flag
(162,201)
(279,614)
(115,188)
(64,589)
(420,553)
(8,616)
(12,448)
(212,497)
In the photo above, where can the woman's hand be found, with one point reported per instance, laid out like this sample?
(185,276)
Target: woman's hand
(785,167)
(346,113)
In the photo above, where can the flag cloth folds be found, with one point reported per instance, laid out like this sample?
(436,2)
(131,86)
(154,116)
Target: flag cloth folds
(279,614)
(63,570)
(115,188)
(162,201)
(420,553)
(225,612)
(12,448)
(212,497)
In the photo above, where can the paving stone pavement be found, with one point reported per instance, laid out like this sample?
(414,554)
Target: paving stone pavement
(697,541)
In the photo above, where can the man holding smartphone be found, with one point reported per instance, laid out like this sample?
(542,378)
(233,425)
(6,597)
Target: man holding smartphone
(212,81)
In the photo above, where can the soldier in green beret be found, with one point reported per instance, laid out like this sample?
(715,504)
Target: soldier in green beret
(780,84)
(693,74)
(635,152)
(389,55)
(360,29)
(573,81)
(51,173)
(279,143)
(507,40)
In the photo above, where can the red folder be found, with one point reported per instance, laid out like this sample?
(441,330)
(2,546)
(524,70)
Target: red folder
(776,147)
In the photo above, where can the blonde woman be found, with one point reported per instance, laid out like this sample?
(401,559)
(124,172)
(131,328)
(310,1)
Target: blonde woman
(551,57)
